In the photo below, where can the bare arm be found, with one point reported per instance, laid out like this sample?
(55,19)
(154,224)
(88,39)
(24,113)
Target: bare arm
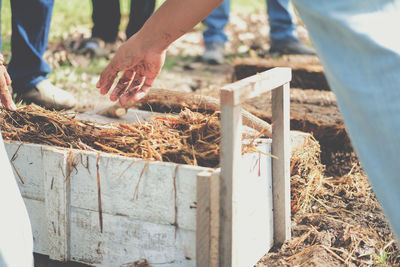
(174,18)
(142,56)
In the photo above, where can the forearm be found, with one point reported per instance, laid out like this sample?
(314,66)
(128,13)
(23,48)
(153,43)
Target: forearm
(142,56)
(173,19)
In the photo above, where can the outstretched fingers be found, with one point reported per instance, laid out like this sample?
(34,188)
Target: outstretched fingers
(5,96)
(134,91)
(106,80)
(148,82)
(122,84)
(7,78)
(138,89)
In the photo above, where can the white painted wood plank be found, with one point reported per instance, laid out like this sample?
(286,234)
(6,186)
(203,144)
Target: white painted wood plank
(127,240)
(186,182)
(231,134)
(214,217)
(27,162)
(238,92)
(57,203)
(37,216)
(281,165)
(254,207)
(203,231)
(154,200)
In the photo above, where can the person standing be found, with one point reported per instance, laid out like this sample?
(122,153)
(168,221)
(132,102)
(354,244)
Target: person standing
(27,68)
(106,16)
(283,35)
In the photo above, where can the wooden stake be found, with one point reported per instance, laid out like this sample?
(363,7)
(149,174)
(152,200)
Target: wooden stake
(232,96)
(281,164)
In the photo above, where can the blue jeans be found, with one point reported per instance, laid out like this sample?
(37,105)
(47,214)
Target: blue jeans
(30,30)
(281,18)
(362,63)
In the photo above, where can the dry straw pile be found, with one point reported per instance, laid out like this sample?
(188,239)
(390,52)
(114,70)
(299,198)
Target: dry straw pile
(336,220)
(190,138)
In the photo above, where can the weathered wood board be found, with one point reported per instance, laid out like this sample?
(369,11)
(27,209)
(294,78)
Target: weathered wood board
(307,70)
(109,210)
(148,209)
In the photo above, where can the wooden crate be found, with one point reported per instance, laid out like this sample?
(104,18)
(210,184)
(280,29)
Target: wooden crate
(108,210)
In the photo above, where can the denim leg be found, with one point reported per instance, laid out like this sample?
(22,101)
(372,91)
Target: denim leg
(362,63)
(282,20)
(216,22)
(106,16)
(30,30)
(140,11)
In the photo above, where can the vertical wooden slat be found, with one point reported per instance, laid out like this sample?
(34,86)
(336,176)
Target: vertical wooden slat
(214,218)
(231,132)
(207,219)
(57,203)
(203,232)
(281,165)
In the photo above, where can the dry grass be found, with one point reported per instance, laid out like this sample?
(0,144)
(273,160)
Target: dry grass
(191,138)
(336,221)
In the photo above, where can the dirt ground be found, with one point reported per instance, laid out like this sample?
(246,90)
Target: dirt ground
(336,219)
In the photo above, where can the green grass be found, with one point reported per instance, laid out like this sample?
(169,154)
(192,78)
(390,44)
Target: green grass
(6,26)
(247,6)
(67,14)
(382,258)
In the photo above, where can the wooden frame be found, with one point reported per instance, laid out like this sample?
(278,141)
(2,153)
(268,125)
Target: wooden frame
(168,213)
(159,211)
(232,96)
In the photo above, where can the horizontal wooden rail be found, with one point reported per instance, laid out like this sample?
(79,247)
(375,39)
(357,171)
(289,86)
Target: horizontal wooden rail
(236,93)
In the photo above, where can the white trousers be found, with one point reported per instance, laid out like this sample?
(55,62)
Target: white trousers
(16,242)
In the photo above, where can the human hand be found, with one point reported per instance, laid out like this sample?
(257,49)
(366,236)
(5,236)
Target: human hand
(5,81)
(140,68)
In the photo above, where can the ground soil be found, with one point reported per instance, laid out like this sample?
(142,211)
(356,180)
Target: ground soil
(344,224)
(346,227)
(325,234)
